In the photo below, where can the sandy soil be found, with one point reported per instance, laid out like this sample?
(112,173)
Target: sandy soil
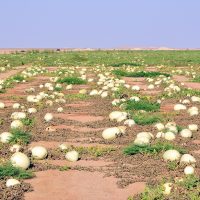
(109,176)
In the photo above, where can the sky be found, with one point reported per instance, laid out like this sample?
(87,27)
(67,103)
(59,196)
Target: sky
(99,23)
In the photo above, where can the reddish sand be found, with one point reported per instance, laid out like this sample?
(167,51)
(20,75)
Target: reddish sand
(142,84)
(52,68)
(180,78)
(76,128)
(82,163)
(136,81)
(167,107)
(130,79)
(75,89)
(197,151)
(196,142)
(7,74)
(8,103)
(80,117)
(19,89)
(54,144)
(151,92)
(79,104)
(192,85)
(186,82)
(78,185)
(151,69)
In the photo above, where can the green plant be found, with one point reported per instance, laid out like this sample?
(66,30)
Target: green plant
(197,79)
(71,80)
(64,168)
(19,136)
(94,151)
(190,182)
(172,165)
(2,91)
(16,98)
(187,189)
(146,118)
(121,90)
(121,64)
(142,105)
(28,122)
(76,96)
(18,77)
(153,193)
(139,74)
(79,58)
(180,128)
(7,170)
(150,149)
(194,195)
(1,121)
(58,89)
(40,105)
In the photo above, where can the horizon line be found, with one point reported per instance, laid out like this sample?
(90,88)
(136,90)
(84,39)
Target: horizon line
(93,49)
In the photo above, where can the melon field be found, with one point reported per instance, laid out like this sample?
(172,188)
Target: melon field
(100,125)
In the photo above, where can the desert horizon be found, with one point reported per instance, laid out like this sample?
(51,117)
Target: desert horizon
(13,50)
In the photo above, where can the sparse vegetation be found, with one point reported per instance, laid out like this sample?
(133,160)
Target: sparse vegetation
(142,105)
(146,118)
(71,80)
(108,58)
(139,74)
(20,137)
(18,77)
(190,182)
(7,171)
(197,79)
(28,122)
(76,96)
(94,151)
(187,189)
(153,193)
(151,149)
(172,165)
(123,64)
(64,168)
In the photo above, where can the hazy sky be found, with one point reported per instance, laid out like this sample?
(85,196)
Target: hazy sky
(99,23)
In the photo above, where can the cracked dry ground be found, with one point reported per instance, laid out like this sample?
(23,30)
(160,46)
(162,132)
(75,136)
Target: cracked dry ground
(109,175)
